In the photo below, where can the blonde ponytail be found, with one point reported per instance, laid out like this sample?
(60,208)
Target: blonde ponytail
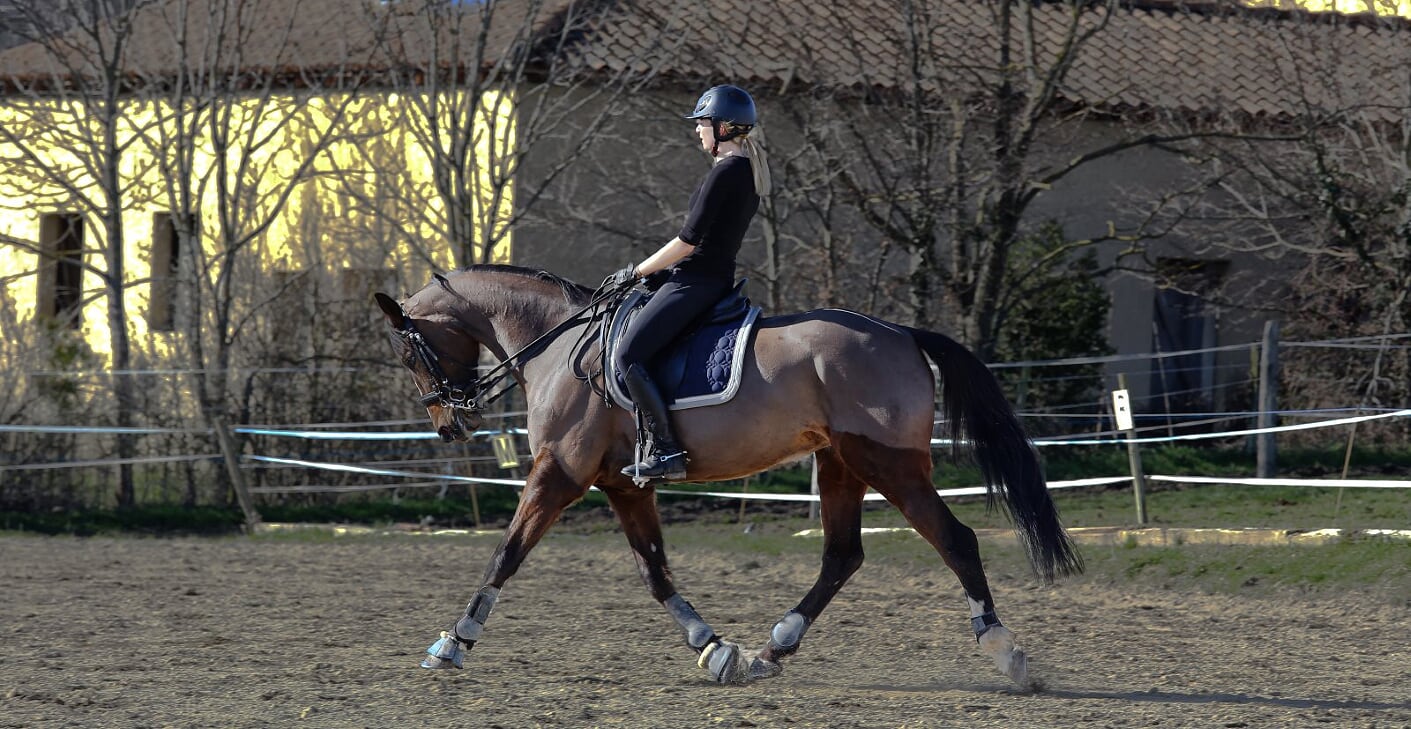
(759,163)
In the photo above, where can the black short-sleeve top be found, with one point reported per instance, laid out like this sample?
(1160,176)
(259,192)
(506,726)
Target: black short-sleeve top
(721,210)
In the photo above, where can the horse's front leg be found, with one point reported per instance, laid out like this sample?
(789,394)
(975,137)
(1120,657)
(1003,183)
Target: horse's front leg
(636,510)
(547,492)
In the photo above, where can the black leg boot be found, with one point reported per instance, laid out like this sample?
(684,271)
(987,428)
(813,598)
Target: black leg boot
(665,458)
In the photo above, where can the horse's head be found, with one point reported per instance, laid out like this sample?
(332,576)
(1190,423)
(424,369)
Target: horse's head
(442,358)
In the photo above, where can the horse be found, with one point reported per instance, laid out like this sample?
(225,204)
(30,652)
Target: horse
(853,391)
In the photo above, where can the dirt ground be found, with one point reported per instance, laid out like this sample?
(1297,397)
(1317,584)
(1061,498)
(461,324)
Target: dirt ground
(294,632)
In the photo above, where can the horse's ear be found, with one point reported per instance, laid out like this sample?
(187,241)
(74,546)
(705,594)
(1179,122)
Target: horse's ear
(392,310)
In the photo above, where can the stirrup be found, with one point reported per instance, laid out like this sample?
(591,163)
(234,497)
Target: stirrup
(670,467)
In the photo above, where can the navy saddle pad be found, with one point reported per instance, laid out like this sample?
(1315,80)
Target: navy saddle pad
(702,366)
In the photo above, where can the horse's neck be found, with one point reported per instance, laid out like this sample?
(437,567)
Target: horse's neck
(523,319)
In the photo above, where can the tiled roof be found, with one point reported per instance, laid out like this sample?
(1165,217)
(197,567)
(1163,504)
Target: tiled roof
(1154,56)
(1151,55)
(284,35)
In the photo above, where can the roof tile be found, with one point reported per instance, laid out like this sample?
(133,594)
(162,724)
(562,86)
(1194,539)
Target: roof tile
(1257,63)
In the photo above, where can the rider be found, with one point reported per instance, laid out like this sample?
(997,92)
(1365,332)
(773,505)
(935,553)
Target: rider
(701,261)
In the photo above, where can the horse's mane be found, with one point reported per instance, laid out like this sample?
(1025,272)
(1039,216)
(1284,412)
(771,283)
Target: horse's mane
(572,292)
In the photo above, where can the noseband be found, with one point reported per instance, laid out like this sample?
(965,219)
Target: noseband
(445,393)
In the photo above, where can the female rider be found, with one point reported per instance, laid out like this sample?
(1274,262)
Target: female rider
(701,260)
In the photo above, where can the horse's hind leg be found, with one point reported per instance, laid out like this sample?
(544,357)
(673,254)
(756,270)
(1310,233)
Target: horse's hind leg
(636,510)
(904,478)
(840,493)
(958,546)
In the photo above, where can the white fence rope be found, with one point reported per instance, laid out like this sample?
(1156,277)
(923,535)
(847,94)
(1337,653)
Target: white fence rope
(315,432)
(1346,483)
(381,471)
(366,435)
(870,496)
(1225,434)
(426,435)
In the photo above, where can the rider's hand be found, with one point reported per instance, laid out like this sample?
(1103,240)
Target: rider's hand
(622,279)
(656,280)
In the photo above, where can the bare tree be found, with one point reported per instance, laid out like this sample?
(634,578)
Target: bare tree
(945,133)
(498,100)
(1325,207)
(244,120)
(1334,209)
(71,135)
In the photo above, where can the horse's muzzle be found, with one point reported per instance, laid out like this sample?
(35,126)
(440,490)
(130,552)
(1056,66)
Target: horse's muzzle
(459,427)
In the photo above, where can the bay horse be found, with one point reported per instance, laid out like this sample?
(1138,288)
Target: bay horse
(853,391)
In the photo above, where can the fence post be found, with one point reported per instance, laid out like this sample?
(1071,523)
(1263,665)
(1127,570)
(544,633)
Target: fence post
(1266,448)
(1122,413)
(231,455)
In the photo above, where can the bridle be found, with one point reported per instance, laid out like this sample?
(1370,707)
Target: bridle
(471,396)
(447,394)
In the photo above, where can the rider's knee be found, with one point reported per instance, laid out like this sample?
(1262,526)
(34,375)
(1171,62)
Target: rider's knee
(622,360)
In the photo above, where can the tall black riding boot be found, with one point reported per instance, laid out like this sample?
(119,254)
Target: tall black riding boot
(665,458)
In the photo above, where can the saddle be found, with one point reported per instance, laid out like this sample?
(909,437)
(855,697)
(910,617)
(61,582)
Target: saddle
(702,366)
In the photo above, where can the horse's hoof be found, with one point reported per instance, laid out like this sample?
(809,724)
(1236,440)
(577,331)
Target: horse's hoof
(760,668)
(446,652)
(1018,669)
(725,663)
(998,644)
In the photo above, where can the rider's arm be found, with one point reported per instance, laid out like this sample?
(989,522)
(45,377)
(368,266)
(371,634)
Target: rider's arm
(705,206)
(666,257)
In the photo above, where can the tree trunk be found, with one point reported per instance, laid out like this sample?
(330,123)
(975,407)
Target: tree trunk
(123,388)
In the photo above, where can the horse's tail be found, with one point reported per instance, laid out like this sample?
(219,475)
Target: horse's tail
(978,414)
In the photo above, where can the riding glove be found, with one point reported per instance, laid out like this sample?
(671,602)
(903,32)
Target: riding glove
(622,279)
(656,280)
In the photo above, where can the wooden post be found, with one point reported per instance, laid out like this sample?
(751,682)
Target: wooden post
(231,454)
(1122,413)
(1266,448)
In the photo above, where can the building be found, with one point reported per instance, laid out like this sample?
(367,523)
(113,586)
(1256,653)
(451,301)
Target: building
(581,197)
(302,156)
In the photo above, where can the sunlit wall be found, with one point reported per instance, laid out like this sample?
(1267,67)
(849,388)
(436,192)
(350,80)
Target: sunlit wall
(1350,7)
(366,202)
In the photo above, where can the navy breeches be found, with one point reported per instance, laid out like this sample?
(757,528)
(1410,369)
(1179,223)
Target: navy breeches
(673,308)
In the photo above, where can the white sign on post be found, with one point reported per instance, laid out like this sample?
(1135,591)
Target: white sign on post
(1122,410)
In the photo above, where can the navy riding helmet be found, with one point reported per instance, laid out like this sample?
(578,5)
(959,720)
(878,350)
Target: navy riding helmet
(729,104)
